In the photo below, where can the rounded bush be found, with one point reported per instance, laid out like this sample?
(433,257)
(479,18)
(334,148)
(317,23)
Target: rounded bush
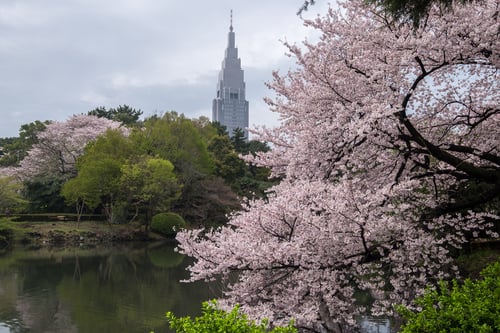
(167,223)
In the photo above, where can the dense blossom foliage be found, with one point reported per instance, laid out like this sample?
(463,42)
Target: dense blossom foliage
(60,144)
(388,150)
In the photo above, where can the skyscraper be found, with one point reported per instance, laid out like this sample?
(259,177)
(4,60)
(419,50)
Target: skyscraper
(229,107)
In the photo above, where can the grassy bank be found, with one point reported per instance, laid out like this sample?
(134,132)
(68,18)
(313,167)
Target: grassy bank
(67,232)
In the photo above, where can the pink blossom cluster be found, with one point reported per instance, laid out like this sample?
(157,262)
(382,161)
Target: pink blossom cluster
(388,151)
(60,145)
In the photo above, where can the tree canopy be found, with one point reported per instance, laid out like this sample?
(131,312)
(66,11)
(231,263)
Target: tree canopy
(123,114)
(389,158)
(57,147)
(410,10)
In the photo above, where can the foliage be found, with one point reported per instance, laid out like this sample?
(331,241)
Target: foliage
(389,159)
(175,138)
(42,193)
(168,224)
(10,198)
(149,184)
(227,163)
(215,320)
(57,148)
(6,236)
(239,141)
(209,202)
(99,174)
(15,149)
(469,307)
(123,114)
(413,10)
(246,179)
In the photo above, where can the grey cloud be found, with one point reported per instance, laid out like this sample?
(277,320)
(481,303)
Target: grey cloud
(64,57)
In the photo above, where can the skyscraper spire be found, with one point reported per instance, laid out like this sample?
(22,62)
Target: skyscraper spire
(231,21)
(230,107)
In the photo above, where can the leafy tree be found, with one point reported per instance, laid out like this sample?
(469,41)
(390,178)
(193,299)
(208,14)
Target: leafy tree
(205,128)
(123,114)
(98,181)
(221,129)
(150,184)
(469,307)
(227,163)
(43,194)
(413,10)
(15,149)
(75,192)
(175,138)
(389,163)
(57,148)
(10,199)
(215,320)
(239,141)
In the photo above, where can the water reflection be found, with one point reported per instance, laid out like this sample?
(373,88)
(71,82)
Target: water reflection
(113,290)
(375,325)
(107,290)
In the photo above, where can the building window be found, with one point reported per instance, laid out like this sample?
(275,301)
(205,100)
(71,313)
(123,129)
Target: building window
(233,95)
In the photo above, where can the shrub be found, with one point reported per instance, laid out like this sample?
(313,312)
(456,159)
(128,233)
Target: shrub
(469,307)
(214,320)
(167,223)
(6,236)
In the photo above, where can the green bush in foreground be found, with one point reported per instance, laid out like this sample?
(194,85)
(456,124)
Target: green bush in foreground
(214,320)
(167,223)
(473,306)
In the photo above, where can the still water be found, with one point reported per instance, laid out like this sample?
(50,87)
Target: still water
(121,289)
(125,289)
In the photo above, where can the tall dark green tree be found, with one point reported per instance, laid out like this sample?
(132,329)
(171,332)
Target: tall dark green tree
(413,10)
(123,113)
(43,194)
(239,141)
(15,149)
(409,10)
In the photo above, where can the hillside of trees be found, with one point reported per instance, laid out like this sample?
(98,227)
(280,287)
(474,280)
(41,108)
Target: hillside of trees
(113,163)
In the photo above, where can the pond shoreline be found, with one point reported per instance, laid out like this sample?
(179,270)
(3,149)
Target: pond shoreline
(69,233)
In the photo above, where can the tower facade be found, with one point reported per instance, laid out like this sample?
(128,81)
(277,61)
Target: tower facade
(229,107)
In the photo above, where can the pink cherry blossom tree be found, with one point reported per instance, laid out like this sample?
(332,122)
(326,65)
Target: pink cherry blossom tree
(60,144)
(388,151)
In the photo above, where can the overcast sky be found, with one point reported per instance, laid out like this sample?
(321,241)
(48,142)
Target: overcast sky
(65,57)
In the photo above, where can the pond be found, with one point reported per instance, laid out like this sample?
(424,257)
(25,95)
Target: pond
(121,289)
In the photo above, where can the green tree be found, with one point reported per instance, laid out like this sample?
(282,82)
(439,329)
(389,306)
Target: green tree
(175,138)
(15,149)
(214,320)
(245,179)
(123,113)
(413,10)
(99,174)
(10,198)
(74,192)
(227,163)
(205,127)
(43,193)
(150,185)
(221,129)
(239,141)
(469,307)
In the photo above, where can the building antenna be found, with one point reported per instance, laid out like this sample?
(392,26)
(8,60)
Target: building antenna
(231,21)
